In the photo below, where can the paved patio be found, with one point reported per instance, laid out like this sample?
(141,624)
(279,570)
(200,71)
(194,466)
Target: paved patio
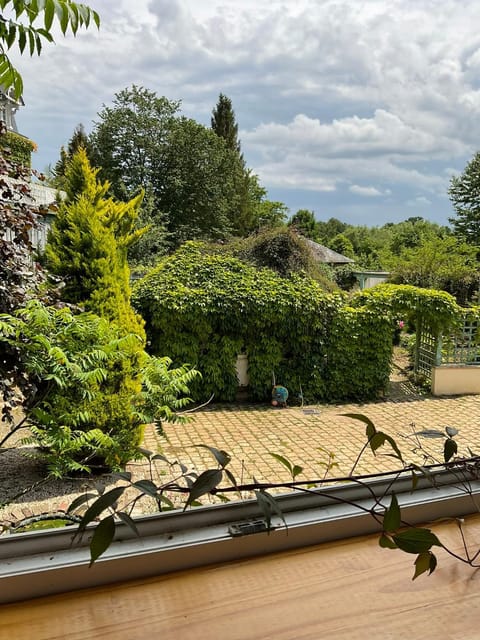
(306,435)
(249,433)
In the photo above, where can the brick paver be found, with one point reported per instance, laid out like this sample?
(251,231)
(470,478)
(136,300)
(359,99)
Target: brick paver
(249,433)
(305,435)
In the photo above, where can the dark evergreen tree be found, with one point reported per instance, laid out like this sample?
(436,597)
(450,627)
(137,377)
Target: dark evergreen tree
(78,141)
(224,124)
(464,193)
(304,222)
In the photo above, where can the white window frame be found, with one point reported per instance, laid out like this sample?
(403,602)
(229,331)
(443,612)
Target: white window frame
(45,562)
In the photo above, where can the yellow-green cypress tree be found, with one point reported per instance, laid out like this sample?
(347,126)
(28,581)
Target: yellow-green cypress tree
(87,247)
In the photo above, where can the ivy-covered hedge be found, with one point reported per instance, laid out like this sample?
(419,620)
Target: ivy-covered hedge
(20,148)
(437,309)
(359,354)
(206,308)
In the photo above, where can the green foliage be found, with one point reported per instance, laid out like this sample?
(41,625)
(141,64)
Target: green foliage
(464,193)
(437,309)
(201,186)
(129,139)
(83,406)
(341,244)
(304,222)
(197,183)
(224,124)
(165,391)
(207,308)
(344,276)
(282,250)
(19,148)
(395,533)
(28,36)
(88,243)
(359,354)
(95,387)
(438,263)
(78,140)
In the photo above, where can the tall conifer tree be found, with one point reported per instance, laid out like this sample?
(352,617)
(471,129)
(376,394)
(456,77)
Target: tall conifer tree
(224,123)
(87,245)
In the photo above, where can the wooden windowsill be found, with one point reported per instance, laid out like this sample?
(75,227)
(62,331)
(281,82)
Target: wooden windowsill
(350,589)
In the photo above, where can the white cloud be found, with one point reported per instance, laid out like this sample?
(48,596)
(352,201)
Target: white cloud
(368,192)
(419,200)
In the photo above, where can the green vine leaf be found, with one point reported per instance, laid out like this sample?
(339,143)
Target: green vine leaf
(386,542)
(370,431)
(106,501)
(269,506)
(416,540)
(102,538)
(425,562)
(392,518)
(205,482)
(222,457)
(449,449)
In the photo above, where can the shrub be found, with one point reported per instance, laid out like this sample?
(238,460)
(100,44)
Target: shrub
(207,308)
(87,408)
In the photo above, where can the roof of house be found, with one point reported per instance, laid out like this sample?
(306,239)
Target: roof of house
(324,254)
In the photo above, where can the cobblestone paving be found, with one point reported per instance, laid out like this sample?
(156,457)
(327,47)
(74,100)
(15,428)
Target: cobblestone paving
(249,433)
(305,435)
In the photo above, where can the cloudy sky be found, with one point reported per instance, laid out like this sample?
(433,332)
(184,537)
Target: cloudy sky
(361,110)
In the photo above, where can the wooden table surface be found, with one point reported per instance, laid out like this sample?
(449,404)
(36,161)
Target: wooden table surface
(350,589)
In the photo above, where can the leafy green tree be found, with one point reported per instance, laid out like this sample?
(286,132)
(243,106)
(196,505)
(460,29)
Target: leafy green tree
(412,233)
(224,124)
(29,23)
(304,222)
(201,186)
(446,264)
(329,229)
(196,186)
(87,247)
(341,244)
(129,141)
(464,193)
(255,210)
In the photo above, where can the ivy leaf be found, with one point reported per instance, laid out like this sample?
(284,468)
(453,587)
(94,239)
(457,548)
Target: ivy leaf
(147,486)
(425,562)
(297,470)
(430,433)
(126,519)
(102,538)
(449,449)
(123,475)
(205,482)
(416,540)
(231,477)
(286,463)
(425,472)
(391,518)
(379,439)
